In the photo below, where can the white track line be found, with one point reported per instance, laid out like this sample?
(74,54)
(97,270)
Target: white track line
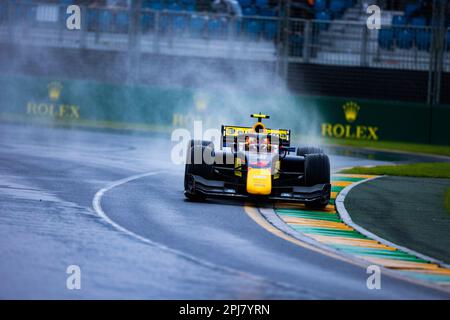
(96,204)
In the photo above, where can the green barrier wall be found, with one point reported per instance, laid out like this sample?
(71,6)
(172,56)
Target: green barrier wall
(162,109)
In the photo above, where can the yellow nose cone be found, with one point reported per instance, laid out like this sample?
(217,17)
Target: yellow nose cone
(259,181)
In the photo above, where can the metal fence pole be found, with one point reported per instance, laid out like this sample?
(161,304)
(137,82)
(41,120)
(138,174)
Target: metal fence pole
(84,26)
(307,40)
(436,58)
(365,38)
(134,40)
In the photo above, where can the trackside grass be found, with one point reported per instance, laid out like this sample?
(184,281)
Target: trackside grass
(427,170)
(394,146)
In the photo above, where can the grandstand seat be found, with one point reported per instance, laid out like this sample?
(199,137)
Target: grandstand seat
(320,5)
(262,3)
(270,29)
(323,16)
(147,20)
(398,20)
(105,20)
(267,11)
(423,40)
(179,23)
(146,4)
(405,39)
(245,3)
(164,22)
(216,27)
(189,3)
(253,28)
(249,11)
(91,17)
(419,21)
(197,25)
(23,11)
(410,8)
(337,7)
(122,21)
(386,38)
(156,5)
(173,7)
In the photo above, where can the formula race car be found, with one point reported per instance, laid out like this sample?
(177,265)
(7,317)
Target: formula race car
(257,162)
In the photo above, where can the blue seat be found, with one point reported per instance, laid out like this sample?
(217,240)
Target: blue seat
(92,18)
(164,22)
(122,21)
(337,7)
(197,25)
(419,21)
(267,11)
(405,39)
(320,5)
(156,5)
(410,8)
(270,30)
(146,4)
(261,3)
(245,3)
(398,20)
(249,11)
(325,17)
(105,20)
(423,40)
(173,7)
(147,21)
(189,3)
(216,27)
(254,28)
(179,23)
(386,38)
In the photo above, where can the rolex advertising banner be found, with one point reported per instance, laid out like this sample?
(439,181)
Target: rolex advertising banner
(86,103)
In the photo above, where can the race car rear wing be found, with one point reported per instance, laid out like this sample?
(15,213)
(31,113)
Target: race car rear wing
(230,133)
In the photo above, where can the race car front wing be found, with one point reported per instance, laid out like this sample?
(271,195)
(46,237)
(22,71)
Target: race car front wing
(218,188)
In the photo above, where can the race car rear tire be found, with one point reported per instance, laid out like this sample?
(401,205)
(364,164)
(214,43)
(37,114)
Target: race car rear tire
(302,151)
(204,143)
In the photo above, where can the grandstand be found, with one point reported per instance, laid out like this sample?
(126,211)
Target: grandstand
(287,34)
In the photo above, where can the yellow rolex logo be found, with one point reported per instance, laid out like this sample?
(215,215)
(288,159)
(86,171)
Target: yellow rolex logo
(54,90)
(351,111)
(201,100)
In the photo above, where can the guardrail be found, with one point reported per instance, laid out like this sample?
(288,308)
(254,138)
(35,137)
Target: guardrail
(353,44)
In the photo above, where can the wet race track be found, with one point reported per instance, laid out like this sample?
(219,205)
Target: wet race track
(113,205)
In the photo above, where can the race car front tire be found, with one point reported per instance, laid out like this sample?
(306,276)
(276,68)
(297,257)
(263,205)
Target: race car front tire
(201,169)
(317,171)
